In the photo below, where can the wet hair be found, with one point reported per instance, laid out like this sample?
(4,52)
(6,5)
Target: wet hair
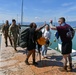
(13,20)
(62,19)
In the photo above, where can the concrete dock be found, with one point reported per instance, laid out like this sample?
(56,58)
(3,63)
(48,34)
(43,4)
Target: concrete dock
(13,63)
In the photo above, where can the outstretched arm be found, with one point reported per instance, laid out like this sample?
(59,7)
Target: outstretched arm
(38,29)
(53,27)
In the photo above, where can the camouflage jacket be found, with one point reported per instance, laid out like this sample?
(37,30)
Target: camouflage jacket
(13,30)
(5,29)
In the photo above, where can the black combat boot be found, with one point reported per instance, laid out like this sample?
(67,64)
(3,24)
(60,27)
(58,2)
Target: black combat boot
(26,61)
(34,63)
(6,44)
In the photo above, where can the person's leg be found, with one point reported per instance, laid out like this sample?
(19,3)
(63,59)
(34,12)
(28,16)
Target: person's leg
(39,49)
(69,56)
(64,60)
(28,55)
(33,56)
(64,69)
(70,62)
(6,40)
(40,56)
(15,43)
(43,50)
(10,40)
(64,53)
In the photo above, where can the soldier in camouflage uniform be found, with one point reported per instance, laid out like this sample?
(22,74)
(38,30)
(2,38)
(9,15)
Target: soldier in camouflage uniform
(5,30)
(14,31)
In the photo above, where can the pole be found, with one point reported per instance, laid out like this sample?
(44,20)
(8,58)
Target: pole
(22,13)
(17,18)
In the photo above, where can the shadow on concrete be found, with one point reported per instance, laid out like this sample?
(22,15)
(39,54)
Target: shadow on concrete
(47,63)
(54,61)
(57,58)
(22,51)
(74,70)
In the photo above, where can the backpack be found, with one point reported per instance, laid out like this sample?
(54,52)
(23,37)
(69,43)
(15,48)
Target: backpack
(23,39)
(70,33)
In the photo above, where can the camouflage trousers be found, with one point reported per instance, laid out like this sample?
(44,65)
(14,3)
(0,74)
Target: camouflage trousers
(6,36)
(14,41)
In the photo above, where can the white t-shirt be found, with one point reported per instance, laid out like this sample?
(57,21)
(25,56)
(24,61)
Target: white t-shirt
(47,34)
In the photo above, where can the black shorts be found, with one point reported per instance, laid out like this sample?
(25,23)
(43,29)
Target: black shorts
(67,48)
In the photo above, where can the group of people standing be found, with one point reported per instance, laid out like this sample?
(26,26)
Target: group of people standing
(13,32)
(62,31)
(33,30)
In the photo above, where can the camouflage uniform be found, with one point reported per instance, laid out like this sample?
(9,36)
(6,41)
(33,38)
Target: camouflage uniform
(5,30)
(14,31)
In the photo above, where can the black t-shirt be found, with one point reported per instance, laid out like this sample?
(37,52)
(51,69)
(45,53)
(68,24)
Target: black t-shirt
(32,35)
(31,39)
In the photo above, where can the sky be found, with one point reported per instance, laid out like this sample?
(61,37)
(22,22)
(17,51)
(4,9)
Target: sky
(37,10)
